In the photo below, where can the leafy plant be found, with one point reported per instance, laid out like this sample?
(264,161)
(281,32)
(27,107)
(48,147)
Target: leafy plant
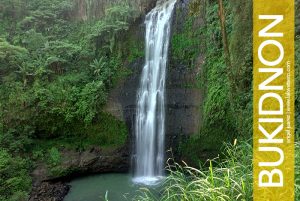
(185,44)
(106,31)
(54,156)
(14,179)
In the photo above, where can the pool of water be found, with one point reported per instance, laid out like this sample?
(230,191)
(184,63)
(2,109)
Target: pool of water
(117,187)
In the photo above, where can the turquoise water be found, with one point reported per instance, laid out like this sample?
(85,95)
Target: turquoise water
(119,187)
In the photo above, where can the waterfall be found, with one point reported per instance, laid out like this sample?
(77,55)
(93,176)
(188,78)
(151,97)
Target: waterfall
(150,114)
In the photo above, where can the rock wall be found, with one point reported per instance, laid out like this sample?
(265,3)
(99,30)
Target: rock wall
(184,99)
(95,9)
(48,185)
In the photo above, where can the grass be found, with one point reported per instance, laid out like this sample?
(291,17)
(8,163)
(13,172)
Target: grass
(297,170)
(226,178)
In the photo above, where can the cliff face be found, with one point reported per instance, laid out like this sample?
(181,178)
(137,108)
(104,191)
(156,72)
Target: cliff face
(95,9)
(184,98)
(183,101)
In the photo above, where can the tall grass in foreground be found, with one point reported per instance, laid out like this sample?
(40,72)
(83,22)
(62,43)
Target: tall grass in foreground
(227,178)
(297,170)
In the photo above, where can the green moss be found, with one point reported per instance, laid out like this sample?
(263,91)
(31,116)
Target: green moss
(54,157)
(185,44)
(108,132)
(121,73)
(59,171)
(131,45)
(223,119)
(135,51)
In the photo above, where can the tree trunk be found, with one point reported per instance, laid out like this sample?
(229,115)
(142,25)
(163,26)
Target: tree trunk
(230,70)
(224,33)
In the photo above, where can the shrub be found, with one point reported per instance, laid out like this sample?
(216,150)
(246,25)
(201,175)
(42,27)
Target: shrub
(297,171)
(15,181)
(54,156)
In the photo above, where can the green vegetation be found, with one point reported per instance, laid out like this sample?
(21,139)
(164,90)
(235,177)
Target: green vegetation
(227,178)
(110,133)
(227,107)
(56,73)
(227,111)
(227,88)
(54,156)
(297,170)
(55,76)
(185,44)
(14,178)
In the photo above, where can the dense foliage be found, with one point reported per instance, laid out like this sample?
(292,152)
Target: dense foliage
(227,109)
(226,86)
(51,76)
(55,75)
(14,178)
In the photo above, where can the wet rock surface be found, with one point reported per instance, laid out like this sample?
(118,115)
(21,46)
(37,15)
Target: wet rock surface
(53,187)
(95,9)
(49,191)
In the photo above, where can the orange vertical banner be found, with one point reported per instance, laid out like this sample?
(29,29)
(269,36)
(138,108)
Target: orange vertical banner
(273,100)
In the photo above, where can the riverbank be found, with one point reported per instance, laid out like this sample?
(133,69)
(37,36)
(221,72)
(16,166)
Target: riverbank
(50,182)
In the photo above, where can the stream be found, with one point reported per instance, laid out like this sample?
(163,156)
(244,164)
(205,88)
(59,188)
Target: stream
(117,186)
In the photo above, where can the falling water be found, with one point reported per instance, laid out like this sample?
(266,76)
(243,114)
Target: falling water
(150,115)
